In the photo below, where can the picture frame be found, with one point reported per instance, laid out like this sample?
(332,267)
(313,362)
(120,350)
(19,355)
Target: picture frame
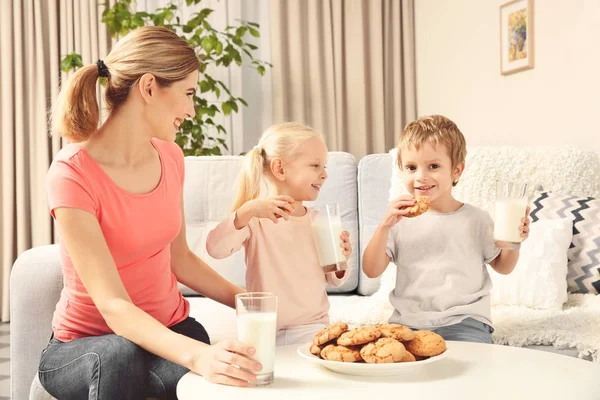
(516,36)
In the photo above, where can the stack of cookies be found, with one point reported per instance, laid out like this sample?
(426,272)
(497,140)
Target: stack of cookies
(386,343)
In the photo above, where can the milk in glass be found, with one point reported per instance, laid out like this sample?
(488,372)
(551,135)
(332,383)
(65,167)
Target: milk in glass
(327,229)
(259,329)
(508,218)
(510,208)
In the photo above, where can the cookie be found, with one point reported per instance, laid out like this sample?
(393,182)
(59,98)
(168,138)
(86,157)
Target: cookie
(396,331)
(408,357)
(421,206)
(330,333)
(316,349)
(384,350)
(426,343)
(340,353)
(358,336)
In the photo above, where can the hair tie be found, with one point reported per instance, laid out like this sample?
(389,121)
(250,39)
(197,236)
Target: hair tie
(258,148)
(102,69)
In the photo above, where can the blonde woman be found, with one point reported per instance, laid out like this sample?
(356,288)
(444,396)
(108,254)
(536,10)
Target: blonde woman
(121,329)
(281,256)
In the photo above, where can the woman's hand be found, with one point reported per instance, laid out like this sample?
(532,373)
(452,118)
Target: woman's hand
(227,363)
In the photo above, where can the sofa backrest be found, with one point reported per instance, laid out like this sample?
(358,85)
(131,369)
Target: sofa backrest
(374,180)
(36,282)
(209,190)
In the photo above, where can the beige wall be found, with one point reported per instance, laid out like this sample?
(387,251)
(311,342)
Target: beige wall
(458,73)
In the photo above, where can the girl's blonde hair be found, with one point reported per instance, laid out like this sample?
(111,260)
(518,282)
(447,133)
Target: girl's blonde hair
(148,49)
(278,141)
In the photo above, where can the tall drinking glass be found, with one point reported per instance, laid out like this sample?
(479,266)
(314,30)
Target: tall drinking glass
(257,327)
(326,224)
(510,207)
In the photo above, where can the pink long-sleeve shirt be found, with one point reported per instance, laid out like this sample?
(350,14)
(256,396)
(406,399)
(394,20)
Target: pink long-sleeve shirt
(280,258)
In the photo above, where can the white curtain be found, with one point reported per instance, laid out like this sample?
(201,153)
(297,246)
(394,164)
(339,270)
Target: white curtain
(34,36)
(345,67)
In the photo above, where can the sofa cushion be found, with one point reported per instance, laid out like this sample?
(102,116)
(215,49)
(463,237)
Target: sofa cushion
(539,278)
(209,190)
(584,252)
(374,173)
(220,324)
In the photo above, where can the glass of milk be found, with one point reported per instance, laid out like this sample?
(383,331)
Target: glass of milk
(257,327)
(326,224)
(510,207)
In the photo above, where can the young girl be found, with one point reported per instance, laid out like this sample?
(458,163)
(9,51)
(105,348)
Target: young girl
(281,256)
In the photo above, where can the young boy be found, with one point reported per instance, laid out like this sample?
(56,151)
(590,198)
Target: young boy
(442,283)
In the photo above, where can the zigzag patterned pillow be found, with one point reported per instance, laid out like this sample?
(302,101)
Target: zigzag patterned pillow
(584,252)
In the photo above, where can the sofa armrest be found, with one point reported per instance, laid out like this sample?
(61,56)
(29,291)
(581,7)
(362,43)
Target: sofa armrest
(35,286)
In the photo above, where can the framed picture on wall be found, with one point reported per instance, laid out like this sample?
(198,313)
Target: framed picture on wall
(516,36)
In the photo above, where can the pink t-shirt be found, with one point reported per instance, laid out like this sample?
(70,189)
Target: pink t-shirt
(138,229)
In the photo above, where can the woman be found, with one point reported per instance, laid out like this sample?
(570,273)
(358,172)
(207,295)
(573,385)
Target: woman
(121,329)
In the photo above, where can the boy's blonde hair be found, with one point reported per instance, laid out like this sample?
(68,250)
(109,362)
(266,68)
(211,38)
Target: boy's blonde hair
(278,141)
(435,130)
(149,49)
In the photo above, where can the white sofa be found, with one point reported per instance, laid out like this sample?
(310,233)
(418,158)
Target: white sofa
(362,190)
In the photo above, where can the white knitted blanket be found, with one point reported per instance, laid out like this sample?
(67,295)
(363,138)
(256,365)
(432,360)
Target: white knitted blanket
(576,326)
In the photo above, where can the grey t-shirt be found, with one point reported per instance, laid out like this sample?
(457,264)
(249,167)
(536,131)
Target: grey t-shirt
(441,260)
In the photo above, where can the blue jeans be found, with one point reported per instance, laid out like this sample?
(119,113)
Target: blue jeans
(112,367)
(468,330)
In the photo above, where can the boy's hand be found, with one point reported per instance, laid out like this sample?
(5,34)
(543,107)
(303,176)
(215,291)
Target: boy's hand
(395,213)
(524,227)
(345,244)
(270,207)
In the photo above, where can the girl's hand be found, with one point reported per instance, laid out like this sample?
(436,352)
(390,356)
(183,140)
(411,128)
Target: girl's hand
(272,208)
(397,209)
(345,244)
(227,363)
(524,227)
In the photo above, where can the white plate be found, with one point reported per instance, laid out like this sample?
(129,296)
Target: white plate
(363,369)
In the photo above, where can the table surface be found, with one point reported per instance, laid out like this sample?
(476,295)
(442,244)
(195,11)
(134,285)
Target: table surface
(470,371)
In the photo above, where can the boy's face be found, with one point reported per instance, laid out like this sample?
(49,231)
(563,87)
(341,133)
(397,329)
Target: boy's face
(427,171)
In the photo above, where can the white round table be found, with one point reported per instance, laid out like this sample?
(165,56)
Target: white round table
(470,371)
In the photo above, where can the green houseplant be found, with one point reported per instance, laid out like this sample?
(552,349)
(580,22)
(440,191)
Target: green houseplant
(201,135)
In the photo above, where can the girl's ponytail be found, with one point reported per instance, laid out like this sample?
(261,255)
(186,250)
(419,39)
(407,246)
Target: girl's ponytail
(250,178)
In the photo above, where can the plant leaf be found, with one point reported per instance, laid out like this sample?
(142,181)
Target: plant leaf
(226,108)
